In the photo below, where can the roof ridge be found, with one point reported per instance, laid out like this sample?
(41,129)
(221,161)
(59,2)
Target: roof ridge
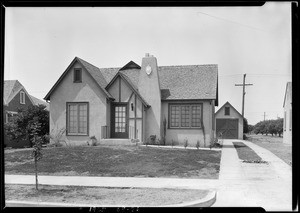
(87,62)
(190,65)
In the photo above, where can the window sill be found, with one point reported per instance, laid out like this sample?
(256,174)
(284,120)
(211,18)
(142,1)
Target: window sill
(77,81)
(185,128)
(75,134)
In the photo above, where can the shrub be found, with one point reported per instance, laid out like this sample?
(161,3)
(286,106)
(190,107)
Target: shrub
(172,143)
(185,143)
(94,140)
(198,144)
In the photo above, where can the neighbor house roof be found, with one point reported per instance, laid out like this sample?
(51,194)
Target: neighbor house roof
(39,102)
(187,82)
(11,89)
(227,103)
(287,88)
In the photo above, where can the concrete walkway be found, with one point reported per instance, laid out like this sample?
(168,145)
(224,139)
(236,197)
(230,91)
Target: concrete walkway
(259,185)
(239,184)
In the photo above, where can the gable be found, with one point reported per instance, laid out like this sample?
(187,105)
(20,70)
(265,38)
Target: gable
(12,88)
(130,65)
(233,111)
(14,103)
(89,69)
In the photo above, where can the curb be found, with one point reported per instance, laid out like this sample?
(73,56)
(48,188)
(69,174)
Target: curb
(180,147)
(207,201)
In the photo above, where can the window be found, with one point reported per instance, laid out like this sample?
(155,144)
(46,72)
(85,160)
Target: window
(77,75)
(227,110)
(290,119)
(284,121)
(185,116)
(77,118)
(22,97)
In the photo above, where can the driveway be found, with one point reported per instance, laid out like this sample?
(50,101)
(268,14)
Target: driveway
(257,185)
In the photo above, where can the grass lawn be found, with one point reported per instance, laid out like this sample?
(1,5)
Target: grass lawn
(275,145)
(245,153)
(117,161)
(102,196)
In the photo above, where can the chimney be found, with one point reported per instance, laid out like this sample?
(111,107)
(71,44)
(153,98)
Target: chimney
(150,90)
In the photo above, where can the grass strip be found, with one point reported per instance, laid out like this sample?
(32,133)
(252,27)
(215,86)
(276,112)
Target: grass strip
(247,154)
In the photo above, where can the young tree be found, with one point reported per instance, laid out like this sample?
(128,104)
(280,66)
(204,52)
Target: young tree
(279,126)
(35,126)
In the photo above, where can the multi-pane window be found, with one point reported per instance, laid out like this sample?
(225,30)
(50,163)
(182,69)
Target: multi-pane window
(22,97)
(175,115)
(185,116)
(227,111)
(120,119)
(77,118)
(77,75)
(196,116)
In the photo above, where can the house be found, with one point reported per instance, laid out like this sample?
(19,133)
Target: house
(135,102)
(287,120)
(229,122)
(16,97)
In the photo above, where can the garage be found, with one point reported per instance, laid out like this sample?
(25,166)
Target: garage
(229,122)
(227,128)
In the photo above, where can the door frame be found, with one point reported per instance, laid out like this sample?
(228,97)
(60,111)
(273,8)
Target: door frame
(113,133)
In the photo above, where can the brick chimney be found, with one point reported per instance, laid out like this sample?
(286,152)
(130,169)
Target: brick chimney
(149,89)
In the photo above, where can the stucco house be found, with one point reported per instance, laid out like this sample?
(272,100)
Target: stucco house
(229,122)
(287,120)
(135,102)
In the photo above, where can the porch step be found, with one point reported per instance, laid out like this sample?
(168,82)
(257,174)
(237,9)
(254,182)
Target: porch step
(116,141)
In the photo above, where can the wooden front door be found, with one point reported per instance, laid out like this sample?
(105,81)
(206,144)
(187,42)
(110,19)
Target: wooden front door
(119,121)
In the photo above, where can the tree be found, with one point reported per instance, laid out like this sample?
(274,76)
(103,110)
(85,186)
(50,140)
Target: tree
(35,127)
(279,126)
(20,127)
(246,126)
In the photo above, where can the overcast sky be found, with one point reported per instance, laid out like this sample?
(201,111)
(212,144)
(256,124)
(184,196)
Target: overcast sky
(40,43)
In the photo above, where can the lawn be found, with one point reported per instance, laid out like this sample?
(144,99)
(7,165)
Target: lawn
(117,161)
(102,196)
(275,145)
(245,153)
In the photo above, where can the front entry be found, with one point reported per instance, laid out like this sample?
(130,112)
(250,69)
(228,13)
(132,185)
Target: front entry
(119,120)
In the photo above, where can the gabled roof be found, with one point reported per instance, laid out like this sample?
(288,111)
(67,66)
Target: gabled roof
(189,81)
(130,65)
(287,88)
(11,89)
(227,103)
(130,84)
(94,72)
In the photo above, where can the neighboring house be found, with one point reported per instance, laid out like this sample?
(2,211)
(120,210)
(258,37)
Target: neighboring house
(229,122)
(287,120)
(16,97)
(133,101)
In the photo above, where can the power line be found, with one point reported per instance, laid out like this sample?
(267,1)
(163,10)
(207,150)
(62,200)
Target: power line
(234,22)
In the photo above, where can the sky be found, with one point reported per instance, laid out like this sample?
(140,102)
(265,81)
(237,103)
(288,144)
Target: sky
(40,43)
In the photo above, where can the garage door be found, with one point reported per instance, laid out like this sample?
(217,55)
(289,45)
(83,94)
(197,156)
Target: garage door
(228,128)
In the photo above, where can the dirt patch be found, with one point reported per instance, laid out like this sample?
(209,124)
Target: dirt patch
(102,196)
(246,154)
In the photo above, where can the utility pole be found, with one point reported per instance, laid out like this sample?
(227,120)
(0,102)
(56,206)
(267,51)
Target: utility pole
(264,116)
(243,93)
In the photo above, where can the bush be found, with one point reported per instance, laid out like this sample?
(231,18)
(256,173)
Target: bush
(198,144)
(186,143)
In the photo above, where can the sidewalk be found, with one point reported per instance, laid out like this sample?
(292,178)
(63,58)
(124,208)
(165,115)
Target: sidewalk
(239,184)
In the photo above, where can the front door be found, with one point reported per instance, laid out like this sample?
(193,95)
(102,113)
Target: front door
(119,121)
